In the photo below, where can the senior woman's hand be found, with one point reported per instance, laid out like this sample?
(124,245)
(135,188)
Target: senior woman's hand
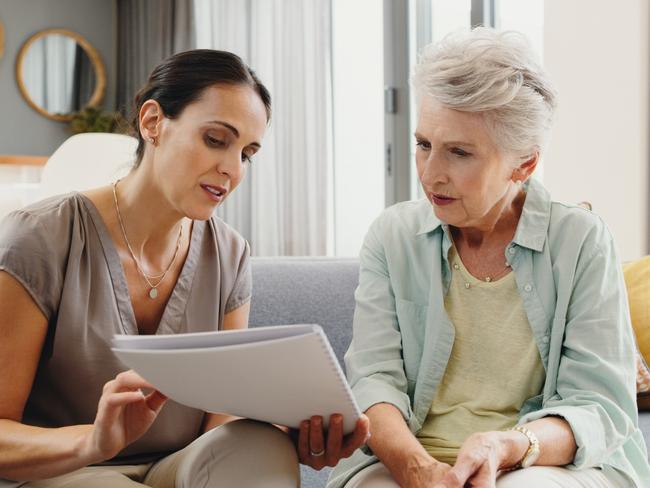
(479,460)
(317,449)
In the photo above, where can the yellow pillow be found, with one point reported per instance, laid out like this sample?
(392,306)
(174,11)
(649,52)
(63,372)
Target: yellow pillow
(637,280)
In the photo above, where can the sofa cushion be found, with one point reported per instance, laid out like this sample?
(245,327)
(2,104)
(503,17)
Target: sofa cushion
(319,291)
(637,281)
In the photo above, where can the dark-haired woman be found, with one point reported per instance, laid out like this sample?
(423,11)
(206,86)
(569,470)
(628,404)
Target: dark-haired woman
(142,256)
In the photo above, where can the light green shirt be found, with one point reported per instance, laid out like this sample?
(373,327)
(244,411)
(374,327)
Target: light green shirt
(494,366)
(570,280)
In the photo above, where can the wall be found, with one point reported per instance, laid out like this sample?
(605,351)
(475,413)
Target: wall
(22,130)
(597,54)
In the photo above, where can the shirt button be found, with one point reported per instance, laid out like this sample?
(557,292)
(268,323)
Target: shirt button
(528,287)
(511,250)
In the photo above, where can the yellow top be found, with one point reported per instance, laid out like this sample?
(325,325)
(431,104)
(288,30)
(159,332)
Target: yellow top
(495,365)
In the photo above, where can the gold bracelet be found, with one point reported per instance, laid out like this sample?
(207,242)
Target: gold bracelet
(532,453)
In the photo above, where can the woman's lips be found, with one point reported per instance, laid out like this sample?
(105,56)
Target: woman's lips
(442,200)
(215,193)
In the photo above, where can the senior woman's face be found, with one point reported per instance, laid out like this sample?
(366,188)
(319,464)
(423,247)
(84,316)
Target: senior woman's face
(463,173)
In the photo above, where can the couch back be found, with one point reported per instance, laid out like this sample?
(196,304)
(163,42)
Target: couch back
(306,291)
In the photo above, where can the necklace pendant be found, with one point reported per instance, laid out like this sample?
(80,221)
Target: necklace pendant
(488,279)
(153,293)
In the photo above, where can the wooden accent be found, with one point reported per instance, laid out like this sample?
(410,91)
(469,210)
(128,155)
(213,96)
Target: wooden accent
(2,39)
(95,59)
(23,160)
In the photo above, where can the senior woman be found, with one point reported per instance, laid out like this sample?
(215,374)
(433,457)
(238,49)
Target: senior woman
(145,255)
(492,344)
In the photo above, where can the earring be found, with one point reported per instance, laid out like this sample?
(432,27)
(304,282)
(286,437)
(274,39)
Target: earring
(152,140)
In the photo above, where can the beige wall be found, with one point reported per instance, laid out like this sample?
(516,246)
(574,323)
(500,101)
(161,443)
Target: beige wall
(597,54)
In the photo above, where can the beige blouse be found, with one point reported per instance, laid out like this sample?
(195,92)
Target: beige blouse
(62,253)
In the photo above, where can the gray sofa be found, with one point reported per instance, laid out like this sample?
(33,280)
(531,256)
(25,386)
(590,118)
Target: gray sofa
(321,291)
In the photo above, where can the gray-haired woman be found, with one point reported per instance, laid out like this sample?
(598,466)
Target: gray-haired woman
(491,334)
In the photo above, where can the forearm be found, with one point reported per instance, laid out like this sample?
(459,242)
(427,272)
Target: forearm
(31,453)
(556,442)
(394,444)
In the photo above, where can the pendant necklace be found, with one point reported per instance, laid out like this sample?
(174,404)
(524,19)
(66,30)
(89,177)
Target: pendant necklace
(152,281)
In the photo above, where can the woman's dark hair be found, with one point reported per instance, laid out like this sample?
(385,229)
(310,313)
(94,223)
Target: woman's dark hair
(181,79)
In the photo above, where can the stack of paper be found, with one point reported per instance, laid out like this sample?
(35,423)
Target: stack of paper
(278,374)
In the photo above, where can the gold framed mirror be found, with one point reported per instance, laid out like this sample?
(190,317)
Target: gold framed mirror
(59,72)
(2,39)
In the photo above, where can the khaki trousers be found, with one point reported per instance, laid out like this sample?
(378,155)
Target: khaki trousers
(242,454)
(377,476)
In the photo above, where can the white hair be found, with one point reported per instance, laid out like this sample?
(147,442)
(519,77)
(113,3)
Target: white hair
(495,73)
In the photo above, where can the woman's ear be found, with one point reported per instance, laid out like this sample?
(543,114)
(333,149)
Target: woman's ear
(150,118)
(526,169)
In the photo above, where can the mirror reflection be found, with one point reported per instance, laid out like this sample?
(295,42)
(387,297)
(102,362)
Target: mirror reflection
(58,74)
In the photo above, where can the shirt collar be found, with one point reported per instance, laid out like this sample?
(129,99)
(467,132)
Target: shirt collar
(430,222)
(533,223)
(535,217)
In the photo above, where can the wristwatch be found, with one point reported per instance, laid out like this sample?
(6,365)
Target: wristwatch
(532,453)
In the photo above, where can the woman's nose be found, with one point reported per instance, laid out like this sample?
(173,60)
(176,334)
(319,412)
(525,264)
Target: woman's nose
(433,171)
(231,165)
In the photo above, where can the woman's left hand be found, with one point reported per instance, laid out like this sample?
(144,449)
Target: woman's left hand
(478,461)
(318,450)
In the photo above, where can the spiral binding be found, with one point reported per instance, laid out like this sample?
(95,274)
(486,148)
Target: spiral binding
(339,372)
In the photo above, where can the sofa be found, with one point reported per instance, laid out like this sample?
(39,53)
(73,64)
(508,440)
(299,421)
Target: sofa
(321,291)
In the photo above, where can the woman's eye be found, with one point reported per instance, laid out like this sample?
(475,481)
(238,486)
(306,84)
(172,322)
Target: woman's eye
(248,157)
(213,141)
(459,152)
(423,145)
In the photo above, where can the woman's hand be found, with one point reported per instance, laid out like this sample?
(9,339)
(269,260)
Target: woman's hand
(315,451)
(478,462)
(124,414)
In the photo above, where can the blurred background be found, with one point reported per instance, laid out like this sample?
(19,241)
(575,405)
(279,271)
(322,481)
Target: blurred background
(340,145)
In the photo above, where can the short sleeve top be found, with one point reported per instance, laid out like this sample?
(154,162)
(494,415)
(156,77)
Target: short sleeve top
(60,250)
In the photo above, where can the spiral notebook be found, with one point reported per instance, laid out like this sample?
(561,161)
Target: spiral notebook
(279,374)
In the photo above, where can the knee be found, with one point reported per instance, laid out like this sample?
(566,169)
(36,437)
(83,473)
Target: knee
(238,452)
(533,477)
(258,439)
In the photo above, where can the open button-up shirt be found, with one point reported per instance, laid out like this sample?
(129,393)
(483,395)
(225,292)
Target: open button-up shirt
(570,280)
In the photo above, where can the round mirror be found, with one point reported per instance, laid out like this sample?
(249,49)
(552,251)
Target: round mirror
(2,39)
(59,73)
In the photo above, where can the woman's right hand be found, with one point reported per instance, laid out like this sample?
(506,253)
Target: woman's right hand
(124,414)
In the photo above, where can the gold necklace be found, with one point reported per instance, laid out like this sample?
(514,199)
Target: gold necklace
(487,279)
(153,291)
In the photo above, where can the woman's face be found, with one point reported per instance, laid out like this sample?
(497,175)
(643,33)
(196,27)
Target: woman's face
(202,155)
(463,174)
